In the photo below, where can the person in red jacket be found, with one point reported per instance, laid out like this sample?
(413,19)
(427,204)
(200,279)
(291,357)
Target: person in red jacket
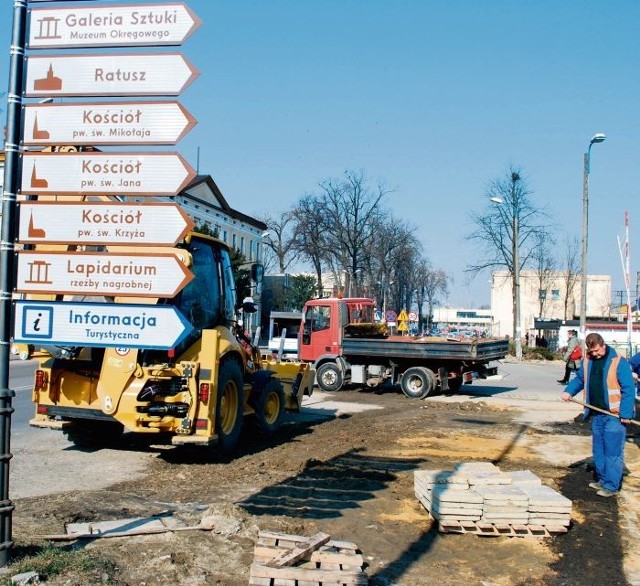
(570,356)
(606,380)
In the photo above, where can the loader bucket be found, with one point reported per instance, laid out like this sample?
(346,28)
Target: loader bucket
(296,378)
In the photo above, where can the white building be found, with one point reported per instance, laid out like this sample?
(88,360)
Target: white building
(547,302)
(203,201)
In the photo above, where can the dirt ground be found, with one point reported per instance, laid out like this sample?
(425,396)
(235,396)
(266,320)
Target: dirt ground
(350,477)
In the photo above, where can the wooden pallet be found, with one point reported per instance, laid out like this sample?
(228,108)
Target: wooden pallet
(481,528)
(336,563)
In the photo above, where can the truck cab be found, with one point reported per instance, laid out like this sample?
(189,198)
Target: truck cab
(322,330)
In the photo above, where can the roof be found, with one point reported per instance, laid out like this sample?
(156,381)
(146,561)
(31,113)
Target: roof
(200,180)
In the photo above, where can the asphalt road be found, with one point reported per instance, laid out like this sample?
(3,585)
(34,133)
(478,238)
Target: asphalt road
(39,455)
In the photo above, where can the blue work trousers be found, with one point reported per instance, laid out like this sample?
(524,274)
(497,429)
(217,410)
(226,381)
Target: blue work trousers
(608,436)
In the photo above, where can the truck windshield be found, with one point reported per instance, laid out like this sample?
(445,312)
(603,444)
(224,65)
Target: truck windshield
(317,318)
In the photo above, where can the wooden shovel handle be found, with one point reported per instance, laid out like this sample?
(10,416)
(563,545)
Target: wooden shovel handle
(574,400)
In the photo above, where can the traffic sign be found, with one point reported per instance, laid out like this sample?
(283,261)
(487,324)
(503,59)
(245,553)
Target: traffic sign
(413,316)
(390,315)
(139,224)
(108,26)
(117,123)
(160,327)
(120,74)
(86,173)
(87,273)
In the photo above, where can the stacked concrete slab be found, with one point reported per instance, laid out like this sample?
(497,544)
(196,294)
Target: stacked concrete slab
(480,493)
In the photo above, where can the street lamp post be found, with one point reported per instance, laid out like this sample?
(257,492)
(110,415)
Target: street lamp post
(515,254)
(597,138)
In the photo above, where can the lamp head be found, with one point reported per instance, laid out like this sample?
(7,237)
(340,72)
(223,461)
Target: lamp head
(598,137)
(496,199)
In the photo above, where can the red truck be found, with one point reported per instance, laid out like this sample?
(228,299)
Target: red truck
(340,338)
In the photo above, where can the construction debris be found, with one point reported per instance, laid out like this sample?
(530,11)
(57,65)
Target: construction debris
(126,528)
(305,561)
(477,497)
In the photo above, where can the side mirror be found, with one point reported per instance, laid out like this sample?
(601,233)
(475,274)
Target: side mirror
(249,305)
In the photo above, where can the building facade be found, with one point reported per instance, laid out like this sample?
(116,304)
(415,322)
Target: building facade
(546,299)
(203,201)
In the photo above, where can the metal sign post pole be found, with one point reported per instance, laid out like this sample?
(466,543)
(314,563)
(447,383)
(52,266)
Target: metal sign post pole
(7,256)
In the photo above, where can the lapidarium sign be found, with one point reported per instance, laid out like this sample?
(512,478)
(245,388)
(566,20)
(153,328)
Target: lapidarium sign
(86,273)
(114,25)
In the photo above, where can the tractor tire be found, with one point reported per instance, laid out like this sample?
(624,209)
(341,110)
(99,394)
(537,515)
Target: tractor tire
(417,382)
(269,408)
(329,377)
(229,406)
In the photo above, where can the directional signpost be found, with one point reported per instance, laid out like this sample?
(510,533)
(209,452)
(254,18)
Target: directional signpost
(117,123)
(111,26)
(119,74)
(86,273)
(100,173)
(159,327)
(102,223)
(87,173)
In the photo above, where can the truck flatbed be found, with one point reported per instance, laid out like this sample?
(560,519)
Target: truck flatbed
(426,349)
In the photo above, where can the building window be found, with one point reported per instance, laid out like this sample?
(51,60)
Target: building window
(251,243)
(234,241)
(242,244)
(542,294)
(555,294)
(466,314)
(224,235)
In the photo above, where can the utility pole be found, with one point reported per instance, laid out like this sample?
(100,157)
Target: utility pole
(7,256)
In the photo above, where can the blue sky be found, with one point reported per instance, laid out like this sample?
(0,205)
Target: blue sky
(435,98)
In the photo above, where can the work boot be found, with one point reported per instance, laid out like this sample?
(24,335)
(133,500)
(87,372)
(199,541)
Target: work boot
(563,382)
(606,493)
(596,485)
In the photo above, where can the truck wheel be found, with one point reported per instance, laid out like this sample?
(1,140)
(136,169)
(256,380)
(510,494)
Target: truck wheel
(417,382)
(229,405)
(269,406)
(329,377)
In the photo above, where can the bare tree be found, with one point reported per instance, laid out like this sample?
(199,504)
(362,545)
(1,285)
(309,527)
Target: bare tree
(381,255)
(310,239)
(433,282)
(545,267)
(496,226)
(352,210)
(571,273)
(280,240)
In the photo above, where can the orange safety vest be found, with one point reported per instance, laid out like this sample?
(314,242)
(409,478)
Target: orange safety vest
(613,386)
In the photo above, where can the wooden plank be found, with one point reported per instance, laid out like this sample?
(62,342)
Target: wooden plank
(330,557)
(259,581)
(319,576)
(299,552)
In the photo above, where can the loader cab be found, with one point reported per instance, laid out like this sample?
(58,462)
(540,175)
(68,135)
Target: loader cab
(209,300)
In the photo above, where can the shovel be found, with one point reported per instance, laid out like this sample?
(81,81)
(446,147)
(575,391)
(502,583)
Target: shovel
(573,400)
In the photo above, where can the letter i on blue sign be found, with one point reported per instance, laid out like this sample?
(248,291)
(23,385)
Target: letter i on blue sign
(37,322)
